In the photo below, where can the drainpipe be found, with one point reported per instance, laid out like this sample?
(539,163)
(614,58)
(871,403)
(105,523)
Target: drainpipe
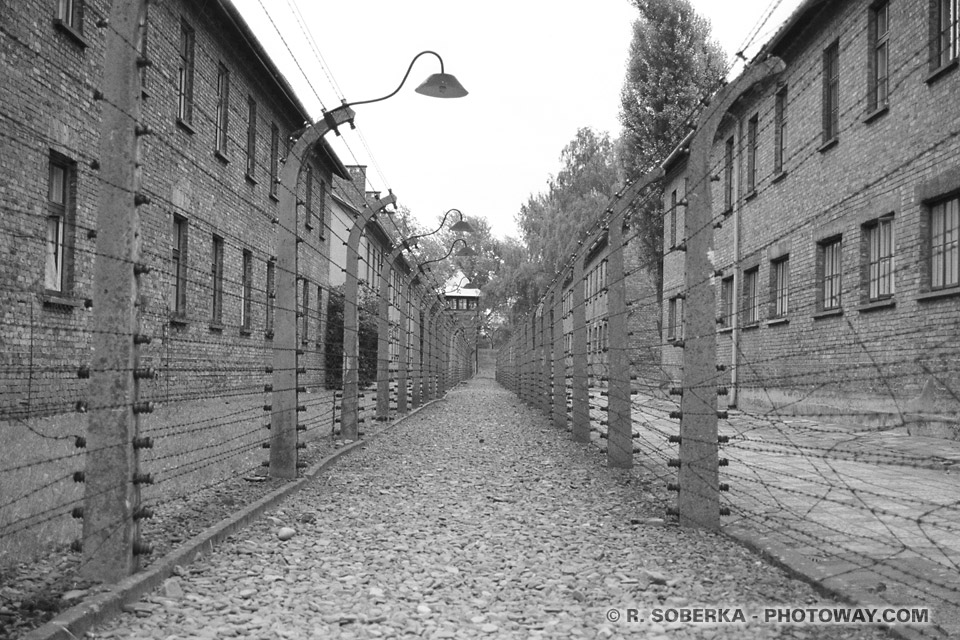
(733,396)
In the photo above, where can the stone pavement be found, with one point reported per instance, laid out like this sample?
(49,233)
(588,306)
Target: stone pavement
(870,514)
(474,518)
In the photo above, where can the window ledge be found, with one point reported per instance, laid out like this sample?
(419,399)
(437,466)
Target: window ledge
(178,319)
(308,226)
(268,335)
(219,156)
(275,197)
(216,327)
(245,332)
(939,293)
(780,175)
(829,313)
(829,144)
(886,303)
(249,178)
(751,326)
(183,124)
(57,300)
(750,195)
(725,330)
(775,322)
(876,113)
(727,211)
(941,71)
(72,33)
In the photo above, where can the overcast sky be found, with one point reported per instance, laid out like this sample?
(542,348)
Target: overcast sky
(536,70)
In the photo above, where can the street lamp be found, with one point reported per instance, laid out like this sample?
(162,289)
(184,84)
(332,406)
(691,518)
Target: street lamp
(283,431)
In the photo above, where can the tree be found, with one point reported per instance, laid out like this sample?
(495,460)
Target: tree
(368,337)
(674,64)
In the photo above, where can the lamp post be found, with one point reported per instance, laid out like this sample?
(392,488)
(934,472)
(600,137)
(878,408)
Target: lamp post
(283,427)
(383,324)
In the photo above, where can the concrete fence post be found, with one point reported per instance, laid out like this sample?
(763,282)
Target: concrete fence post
(112,494)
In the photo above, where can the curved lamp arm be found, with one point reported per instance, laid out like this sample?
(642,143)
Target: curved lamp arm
(463,252)
(461,226)
(437,85)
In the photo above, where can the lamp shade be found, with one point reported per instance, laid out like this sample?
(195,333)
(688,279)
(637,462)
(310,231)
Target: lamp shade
(442,85)
(462,227)
(466,251)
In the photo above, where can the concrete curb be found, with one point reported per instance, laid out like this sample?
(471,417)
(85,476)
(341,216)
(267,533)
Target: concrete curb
(797,565)
(76,621)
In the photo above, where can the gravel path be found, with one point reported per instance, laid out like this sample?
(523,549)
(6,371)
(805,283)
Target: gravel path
(473,518)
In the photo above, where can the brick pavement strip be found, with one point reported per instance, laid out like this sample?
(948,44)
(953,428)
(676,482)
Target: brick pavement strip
(473,518)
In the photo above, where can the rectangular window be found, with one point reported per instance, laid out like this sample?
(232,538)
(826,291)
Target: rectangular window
(672,319)
(728,175)
(271,296)
(320,209)
(831,273)
(246,296)
(879,33)
(673,219)
(216,279)
(61,221)
(779,129)
(780,273)
(305,313)
(319,316)
(185,77)
(251,137)
(831,92)
(944,249)
(308,197)
(223,108)
(274,158)
(179,266)
(946,26)
(752,125)
(726,302)
(880,266)
(751,299)
(70,14)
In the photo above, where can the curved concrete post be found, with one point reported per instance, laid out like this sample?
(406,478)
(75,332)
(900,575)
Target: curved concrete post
(699,499)
(383,336)
(351,329)
(283,419)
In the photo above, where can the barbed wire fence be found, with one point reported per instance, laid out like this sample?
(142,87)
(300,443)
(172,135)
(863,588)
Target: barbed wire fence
(197,381)
(815,447)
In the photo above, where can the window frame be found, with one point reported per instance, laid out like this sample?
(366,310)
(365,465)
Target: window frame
(271,294)
(728,162)
(780,287)
(186,73)
(725,319)
(948,252)
(944,33)
(673,219)
(780,129)
(60,225)
(274,159)
(217,250)
(878,84)
(222,123)
(753,125)
(879,260)
(305,312)
(246,291)
(751,296)
(830,273)
(831,93)
(251,160)
(179,261)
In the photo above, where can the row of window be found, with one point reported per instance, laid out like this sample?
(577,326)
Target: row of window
(462,304)
(878,267)
(944,51)
(598,338)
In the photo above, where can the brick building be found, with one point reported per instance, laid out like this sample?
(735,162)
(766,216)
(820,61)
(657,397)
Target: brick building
(836,198)
(221,117)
